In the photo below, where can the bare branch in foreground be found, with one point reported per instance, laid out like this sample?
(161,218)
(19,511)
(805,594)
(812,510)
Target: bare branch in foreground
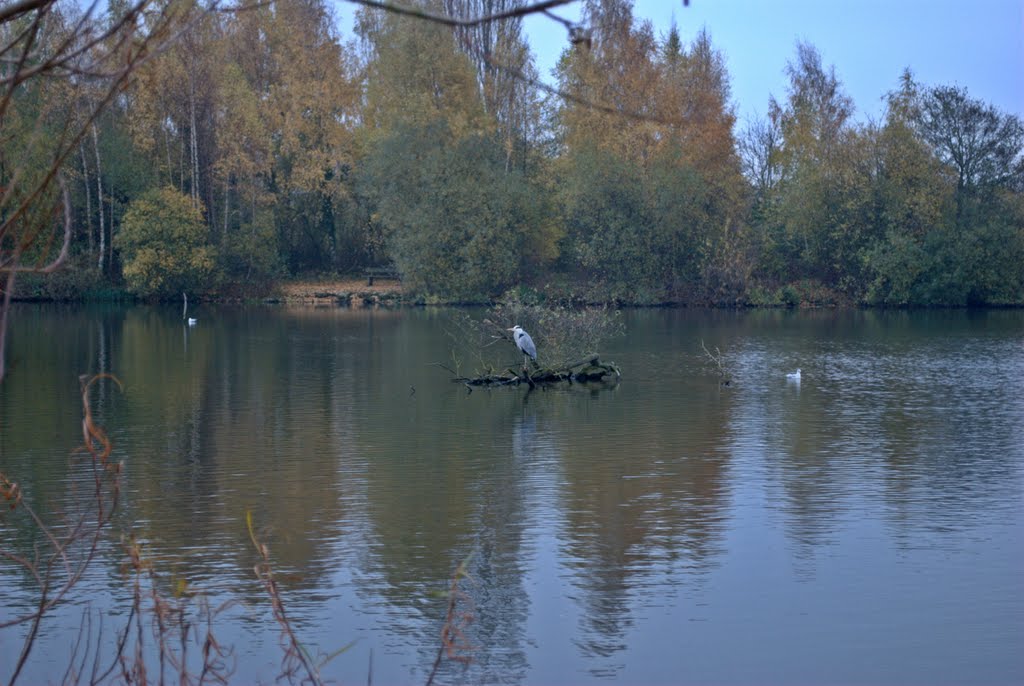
(446,20)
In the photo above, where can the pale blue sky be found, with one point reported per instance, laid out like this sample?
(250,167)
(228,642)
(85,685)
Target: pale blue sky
(976,44)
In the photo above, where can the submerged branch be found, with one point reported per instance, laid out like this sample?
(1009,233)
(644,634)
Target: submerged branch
(587,368)
(724,375)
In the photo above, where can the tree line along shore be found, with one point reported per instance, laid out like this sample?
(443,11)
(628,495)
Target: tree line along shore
(262,146)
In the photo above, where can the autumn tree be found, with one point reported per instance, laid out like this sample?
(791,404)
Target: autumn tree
(33,115)
(650,163)
(244,222)
(170,108)
(613,81)
(416,76)
(505,72)
(58,74)
(256,125)
(310,112)
(817,219)
(165,247)
(444,182)
(694,99)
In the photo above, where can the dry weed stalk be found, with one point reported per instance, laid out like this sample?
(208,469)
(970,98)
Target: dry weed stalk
(175,625)
(296,660)
(454,644)
(67,550)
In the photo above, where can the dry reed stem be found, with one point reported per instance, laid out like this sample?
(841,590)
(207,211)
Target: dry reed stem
(295,659)
(454,644)
(81,533)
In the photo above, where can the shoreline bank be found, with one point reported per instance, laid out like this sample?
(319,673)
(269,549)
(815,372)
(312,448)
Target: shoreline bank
(356,292)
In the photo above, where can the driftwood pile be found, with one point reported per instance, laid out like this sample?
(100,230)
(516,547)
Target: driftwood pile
(587,368)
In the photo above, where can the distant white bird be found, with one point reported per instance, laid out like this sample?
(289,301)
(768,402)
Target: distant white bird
(794,376)
(184,312)
(523,341)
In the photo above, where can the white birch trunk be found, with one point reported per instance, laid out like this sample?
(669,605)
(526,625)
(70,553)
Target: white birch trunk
(99,195)
(88,197)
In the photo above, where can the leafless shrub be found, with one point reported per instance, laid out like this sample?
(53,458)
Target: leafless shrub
(66,549)
(724,375)
(168,634)
(562,334)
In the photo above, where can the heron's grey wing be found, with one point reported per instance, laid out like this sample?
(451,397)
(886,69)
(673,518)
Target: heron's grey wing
(526,343)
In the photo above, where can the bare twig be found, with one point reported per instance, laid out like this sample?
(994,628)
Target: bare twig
(724,376)
(454,644)
(89,54)
(447,20)
(62,256)
(295,655)
(85,531)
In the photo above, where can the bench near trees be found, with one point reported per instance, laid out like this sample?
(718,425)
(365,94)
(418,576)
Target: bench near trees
(381,273)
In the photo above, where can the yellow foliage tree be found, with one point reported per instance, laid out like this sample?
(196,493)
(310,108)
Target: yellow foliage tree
(417,77)
(164,246)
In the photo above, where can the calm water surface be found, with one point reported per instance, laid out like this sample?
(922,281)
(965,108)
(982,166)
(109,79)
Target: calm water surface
(863,526)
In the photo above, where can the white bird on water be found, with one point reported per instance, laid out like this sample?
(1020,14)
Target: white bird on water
(794,376)
(184,312)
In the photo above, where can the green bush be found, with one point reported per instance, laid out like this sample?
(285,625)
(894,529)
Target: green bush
(77,280)
(251,258)
(164,246)
(789,296)
(456,222)
(642,231)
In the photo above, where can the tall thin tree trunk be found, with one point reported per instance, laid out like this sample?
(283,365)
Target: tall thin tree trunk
(99,195)
(181,164)
(110,243)
(193,143)
(227,198)
(88,198)
(167,148)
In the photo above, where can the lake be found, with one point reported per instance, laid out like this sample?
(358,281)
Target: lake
(865,526)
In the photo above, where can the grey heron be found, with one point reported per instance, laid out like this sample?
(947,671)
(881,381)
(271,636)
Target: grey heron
(524,342)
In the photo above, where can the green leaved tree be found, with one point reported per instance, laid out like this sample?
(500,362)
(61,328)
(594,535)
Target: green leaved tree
(164,245)
(456,223)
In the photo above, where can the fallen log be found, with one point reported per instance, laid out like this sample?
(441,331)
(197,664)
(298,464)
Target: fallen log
(587,368)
